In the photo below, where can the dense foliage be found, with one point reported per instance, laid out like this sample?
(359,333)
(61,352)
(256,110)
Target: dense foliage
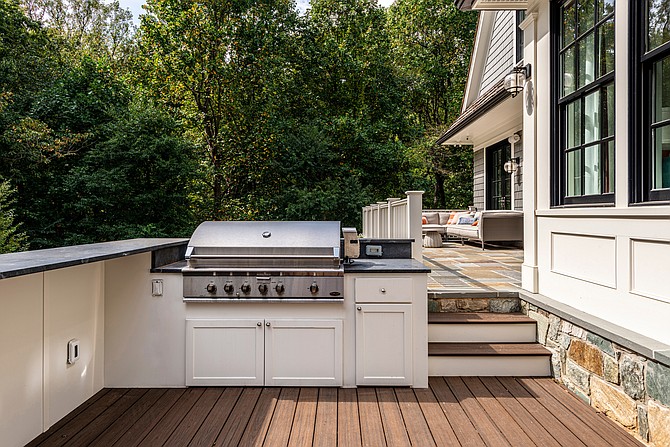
(222,109)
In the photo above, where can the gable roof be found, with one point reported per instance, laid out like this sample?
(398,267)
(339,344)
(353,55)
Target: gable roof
(492,58)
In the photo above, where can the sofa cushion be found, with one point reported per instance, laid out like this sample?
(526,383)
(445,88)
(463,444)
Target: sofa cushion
(432,218)
(444,217)
(465,220)
(452,216)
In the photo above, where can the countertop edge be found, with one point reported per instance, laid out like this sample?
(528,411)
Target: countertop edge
(25,263)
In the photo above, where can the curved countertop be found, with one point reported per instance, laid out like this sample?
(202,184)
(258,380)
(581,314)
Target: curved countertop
(27,262)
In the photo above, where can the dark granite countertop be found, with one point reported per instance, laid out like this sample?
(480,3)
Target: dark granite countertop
(386,266)
(27,262)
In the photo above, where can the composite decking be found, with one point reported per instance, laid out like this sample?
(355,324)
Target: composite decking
(453,411)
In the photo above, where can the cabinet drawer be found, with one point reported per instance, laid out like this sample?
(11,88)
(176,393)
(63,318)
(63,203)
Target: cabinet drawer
(383,290)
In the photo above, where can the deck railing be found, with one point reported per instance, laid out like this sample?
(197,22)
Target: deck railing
(396,218)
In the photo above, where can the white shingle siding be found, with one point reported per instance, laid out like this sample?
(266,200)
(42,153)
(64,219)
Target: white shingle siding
(500,55)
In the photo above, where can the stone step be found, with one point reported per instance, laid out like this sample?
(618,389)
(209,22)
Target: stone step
(488,359)
(480,327)
(501,302)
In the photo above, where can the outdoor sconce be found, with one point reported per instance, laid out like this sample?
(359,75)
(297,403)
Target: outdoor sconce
(512,165)
(515,81)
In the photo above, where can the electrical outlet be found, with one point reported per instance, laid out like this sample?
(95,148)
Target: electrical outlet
(73,351)
(157,287)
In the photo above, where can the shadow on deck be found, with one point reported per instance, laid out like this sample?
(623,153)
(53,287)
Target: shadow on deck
(485,411)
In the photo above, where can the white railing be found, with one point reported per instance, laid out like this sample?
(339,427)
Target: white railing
(396,219)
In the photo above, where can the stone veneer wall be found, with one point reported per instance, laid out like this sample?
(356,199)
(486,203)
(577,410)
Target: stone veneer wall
(628,387)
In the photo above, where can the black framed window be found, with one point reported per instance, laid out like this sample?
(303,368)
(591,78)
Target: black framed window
(519,16)
(651,101)
(584,102)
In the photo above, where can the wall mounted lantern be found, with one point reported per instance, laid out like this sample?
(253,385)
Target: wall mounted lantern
(515,81)
(512,165)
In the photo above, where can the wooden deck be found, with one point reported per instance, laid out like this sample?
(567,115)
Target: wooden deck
(453,411)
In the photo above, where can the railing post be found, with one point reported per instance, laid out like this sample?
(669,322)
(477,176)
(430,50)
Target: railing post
(378,232)
(364,221)
(389,218)
(414,207)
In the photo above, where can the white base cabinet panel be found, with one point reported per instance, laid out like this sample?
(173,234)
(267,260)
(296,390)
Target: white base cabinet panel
(224,352)
(383,344)
(303,353)
(256,352)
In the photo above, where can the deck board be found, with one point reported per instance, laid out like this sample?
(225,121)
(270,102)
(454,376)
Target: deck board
(453,411)
(258,425)
(302,432)
(372,430)
(394,426)
(485,426)
(325,428)
(282,420)
(348,422)
(213,423)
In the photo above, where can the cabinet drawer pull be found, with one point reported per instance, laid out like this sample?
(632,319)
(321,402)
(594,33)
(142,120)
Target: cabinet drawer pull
(382,290)
(267,324)
(358,308)
(259,324)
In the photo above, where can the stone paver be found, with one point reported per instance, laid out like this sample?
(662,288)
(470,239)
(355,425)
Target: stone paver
(466,268)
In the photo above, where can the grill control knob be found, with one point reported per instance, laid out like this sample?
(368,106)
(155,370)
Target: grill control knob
(211,288)
(279,288)
(263,288)
(228,287)
(246,288)
(314,287)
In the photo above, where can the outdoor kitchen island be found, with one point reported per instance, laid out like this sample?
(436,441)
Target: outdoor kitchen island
(376,335)
(120,307)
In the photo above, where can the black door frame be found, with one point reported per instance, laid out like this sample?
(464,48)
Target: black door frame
(496,157)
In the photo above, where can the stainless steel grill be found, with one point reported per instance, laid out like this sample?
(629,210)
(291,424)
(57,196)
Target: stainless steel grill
(264,261)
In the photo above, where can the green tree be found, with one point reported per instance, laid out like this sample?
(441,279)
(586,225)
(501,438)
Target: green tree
(11,238)
(346,148)
(221,65)
(432,41)
(100,29)
(134,183)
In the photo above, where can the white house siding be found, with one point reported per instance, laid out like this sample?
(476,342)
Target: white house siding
(606,261)
(500,55)
(479,187)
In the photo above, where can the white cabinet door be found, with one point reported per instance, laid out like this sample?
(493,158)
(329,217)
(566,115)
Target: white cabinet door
(224,352)
(303,352)
(383,344)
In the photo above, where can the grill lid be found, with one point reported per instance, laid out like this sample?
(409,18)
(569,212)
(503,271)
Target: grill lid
(270,244)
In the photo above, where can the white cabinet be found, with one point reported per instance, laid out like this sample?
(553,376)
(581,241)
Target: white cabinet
(383,344)
(272,352)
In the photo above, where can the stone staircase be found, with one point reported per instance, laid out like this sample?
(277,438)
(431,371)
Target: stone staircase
(485,344)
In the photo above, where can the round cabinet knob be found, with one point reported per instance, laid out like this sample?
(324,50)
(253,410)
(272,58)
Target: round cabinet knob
(228,287)
(279,288)
(382,290)
(263,288)
(259,324)
(246,288)
(359,308)
(211,288)
(314,287)
(267,324)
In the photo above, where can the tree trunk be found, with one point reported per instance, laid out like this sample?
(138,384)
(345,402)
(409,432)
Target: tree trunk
(440,199)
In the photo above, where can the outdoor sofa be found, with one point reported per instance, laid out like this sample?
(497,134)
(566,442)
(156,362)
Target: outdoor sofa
(483,226)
